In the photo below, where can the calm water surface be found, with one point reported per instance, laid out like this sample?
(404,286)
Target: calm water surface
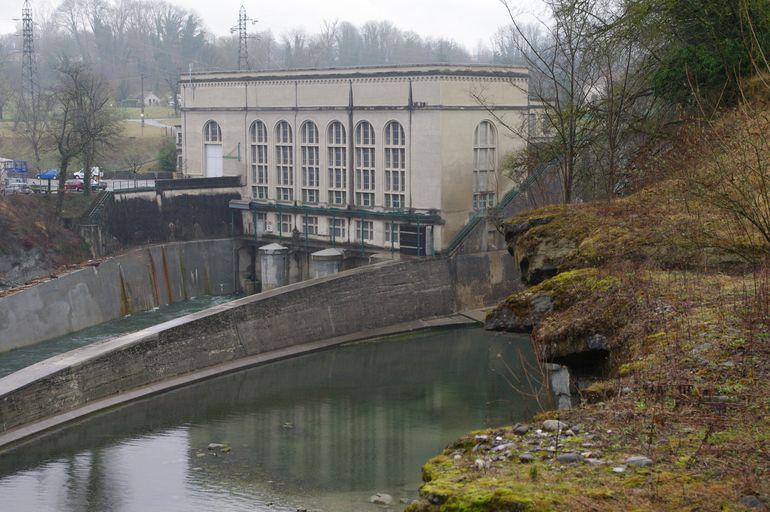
(323,432)
(21,357)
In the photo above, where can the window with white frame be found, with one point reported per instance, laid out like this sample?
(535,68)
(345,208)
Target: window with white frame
(338,164)
(310,162)
(261,219)
(395,165)
(391,233)
(365,230)
(285,223)
(337,229)
(284,162)
(212,134)
(364,164)
(310,225)
(258,157)
(484,166)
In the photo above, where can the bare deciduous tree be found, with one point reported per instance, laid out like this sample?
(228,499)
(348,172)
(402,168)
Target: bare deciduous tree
(85,122)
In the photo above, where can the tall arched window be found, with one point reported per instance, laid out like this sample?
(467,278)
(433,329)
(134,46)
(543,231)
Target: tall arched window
(310,162)
(364,164)
(337,145)
(259,173)
(395,165)
(284,162)
(212,147)
(484,166)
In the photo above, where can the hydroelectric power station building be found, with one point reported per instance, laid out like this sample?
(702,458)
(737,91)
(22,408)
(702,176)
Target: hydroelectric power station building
(389,157)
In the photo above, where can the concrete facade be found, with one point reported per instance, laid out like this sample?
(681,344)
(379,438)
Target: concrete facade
(430,138)
(136,281)
(286,321)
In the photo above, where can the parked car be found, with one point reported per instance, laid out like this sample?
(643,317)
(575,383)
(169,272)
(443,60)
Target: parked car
(49,174)
(98,185)
(17,188)
(74,185)
(77,185)
(95,173)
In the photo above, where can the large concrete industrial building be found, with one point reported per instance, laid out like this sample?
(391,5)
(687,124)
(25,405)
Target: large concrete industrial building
(391,157)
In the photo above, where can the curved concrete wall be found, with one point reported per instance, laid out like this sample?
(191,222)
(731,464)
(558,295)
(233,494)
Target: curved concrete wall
(136,281)
(286,321)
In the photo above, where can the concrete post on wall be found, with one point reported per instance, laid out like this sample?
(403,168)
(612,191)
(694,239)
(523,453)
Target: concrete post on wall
(326,262)
(560,385)
(274,262)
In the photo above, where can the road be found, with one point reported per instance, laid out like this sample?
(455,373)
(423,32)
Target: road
(151,122)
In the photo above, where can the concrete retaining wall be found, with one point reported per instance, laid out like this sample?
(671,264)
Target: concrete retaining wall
(297,315)
(136,281)
(171,215)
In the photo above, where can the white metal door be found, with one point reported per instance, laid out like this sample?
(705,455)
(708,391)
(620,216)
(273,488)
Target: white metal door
(214,160)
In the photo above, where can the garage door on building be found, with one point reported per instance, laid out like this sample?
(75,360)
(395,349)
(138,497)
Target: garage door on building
(214,160)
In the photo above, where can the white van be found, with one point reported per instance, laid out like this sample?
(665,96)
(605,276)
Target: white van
(95,173)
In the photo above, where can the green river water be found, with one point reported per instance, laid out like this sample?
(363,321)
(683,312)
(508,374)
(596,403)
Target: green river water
(321,432)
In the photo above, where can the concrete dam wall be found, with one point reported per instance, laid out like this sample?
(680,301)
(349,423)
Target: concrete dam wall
(287,321)
(136,281)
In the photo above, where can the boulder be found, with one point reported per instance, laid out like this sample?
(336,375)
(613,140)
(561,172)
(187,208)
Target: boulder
(381,499)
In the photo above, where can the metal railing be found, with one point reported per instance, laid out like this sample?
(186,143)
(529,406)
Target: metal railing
(132,185)
(195,183)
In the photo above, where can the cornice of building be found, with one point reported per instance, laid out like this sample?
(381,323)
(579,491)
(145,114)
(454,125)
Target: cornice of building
(359,74)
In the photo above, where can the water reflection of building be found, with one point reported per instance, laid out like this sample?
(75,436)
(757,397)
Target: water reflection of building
(363,418)
(358,154)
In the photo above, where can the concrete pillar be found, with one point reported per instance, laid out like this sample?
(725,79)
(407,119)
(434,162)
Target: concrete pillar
(274,262)
(326,262)
(560,384)
(429,250)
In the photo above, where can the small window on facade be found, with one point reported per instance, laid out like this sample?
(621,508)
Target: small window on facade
(338,229)
(310,225)
(261,226)
(484,166)
(310,162)
(284,162)
(258,157)
(395,165)
(364,164)
(365,230)
(337,162)
(391,233)
(212,134)
(285,223)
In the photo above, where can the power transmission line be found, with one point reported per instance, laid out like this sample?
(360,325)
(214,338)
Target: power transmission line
(243,48)
(29,81)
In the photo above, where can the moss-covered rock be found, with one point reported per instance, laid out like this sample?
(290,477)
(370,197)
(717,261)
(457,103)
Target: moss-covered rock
(561,313)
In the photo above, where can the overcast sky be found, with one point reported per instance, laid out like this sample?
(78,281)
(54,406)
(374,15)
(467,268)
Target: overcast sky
(466,21)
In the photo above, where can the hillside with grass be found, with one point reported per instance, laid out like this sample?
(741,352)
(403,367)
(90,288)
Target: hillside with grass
(136,147)
(663,298)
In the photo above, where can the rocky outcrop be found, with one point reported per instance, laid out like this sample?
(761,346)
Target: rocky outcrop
(540,259)
(557,312)
(540,243)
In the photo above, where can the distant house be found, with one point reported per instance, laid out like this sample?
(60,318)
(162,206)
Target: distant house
(151,100)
